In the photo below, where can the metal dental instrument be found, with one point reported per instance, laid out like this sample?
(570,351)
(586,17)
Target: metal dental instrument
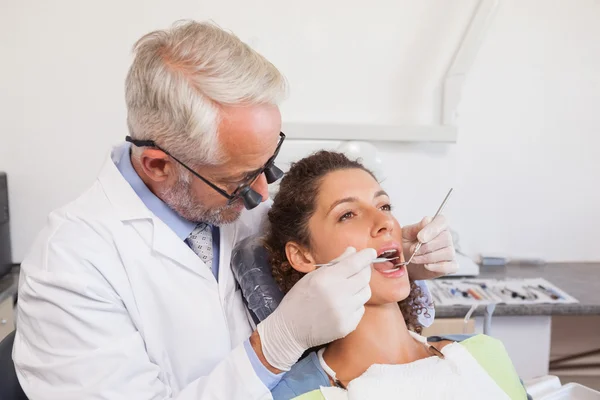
(375,261)
(420,244)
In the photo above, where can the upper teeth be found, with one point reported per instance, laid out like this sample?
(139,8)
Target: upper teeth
(387,253)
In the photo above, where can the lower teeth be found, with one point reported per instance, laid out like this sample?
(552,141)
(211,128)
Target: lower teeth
(391,270)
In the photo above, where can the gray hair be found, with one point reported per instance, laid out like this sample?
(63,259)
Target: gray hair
(180,77)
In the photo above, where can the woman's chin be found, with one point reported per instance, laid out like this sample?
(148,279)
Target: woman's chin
(381,296)
(386,289)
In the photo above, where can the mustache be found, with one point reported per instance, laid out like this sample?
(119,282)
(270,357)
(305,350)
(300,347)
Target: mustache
(181,199)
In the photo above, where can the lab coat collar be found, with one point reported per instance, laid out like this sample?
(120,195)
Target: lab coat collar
(181,226)
(119,192)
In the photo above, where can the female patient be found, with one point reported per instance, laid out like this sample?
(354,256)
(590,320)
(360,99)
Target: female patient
(326,203)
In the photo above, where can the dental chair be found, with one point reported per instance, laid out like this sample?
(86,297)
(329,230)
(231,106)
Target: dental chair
(9,384)
(252,271)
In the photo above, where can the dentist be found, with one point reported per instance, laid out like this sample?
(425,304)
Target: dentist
(127,293)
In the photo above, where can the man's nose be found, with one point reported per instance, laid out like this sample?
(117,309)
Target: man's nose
(261,187)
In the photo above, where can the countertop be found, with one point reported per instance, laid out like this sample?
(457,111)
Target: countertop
(8,284)
(580,280)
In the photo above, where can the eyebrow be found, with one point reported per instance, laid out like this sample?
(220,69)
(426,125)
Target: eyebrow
(354,199)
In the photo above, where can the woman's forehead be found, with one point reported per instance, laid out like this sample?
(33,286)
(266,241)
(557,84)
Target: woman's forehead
(348,183)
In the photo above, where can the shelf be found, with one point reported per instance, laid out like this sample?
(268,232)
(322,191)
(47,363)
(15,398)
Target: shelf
(385,133)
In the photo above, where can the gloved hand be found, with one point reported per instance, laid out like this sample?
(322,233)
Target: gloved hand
(325,305)
(436,254)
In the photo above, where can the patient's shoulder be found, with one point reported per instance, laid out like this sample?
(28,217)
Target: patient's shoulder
(480,346)
(451,338)
(305,376)
(439,342)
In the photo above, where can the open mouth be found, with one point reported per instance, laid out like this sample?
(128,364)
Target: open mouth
(388,267)
(392,253)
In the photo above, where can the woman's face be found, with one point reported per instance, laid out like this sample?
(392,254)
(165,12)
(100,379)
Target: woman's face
(353,210)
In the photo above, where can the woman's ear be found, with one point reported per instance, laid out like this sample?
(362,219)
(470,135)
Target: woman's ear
(300,258)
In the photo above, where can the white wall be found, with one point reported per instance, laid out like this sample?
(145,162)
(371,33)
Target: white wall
(526,179)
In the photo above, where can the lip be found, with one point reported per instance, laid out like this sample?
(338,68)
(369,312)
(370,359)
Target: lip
(395,272)
(381,268)
(388,246)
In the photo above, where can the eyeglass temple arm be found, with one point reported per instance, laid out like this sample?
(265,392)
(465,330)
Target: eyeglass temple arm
(152,143)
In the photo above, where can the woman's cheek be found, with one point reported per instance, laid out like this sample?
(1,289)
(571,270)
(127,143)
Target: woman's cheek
(330,244)
(359,239)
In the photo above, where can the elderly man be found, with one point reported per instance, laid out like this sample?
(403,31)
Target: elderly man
(128,293)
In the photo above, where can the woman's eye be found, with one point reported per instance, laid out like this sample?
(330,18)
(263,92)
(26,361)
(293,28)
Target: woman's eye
(386,207)
(346,216)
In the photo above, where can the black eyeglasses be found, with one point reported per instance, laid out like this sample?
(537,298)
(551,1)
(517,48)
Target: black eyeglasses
(244,191)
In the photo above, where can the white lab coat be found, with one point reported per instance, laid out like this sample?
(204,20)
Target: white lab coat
(113,305)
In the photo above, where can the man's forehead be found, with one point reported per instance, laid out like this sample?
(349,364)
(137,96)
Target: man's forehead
(249,132)
(251,153)
(246,147)
(250,147)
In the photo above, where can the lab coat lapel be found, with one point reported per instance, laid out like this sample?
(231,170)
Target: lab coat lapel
(168,244)
(131,209)
(239,323)
(226,279)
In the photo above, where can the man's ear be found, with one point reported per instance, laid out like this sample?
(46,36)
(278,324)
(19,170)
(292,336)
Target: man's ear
(300,258)
(156,164)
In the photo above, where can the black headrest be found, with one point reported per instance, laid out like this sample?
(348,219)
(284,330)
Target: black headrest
(253,273)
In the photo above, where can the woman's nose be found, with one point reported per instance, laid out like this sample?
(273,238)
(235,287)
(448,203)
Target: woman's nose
(384,223)
(261,186)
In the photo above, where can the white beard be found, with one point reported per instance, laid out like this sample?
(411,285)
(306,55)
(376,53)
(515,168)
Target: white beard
(180,198)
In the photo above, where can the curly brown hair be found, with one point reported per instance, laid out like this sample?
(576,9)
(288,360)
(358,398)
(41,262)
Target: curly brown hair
(294,205)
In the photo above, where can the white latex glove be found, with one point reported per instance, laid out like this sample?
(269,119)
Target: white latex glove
(437,252)
(325,305)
